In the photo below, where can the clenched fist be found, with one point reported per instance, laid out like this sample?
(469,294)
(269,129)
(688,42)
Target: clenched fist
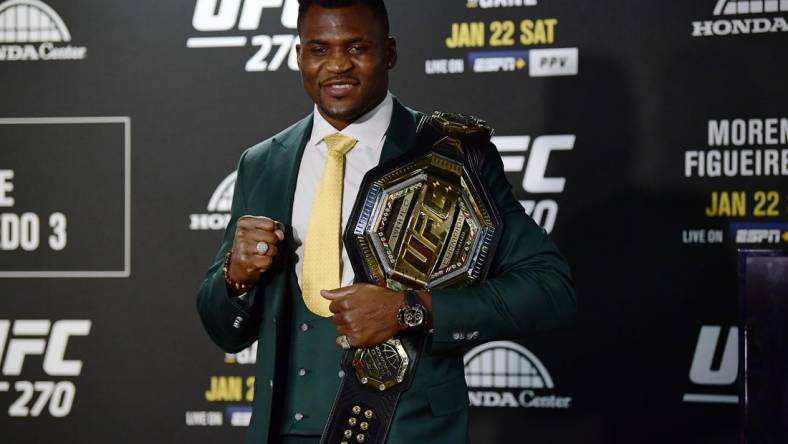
(247,263)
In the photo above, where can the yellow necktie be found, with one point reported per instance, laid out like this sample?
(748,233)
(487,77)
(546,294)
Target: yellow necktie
(322,253)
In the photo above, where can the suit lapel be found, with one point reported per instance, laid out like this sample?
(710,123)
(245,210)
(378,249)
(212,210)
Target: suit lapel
(401,132)
(283,163)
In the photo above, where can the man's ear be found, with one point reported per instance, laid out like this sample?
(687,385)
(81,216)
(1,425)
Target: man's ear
(298,55)
(391,52)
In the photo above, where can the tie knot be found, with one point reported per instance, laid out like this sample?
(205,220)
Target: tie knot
(339,144)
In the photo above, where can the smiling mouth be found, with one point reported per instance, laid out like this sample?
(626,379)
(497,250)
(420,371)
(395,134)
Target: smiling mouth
(340,87)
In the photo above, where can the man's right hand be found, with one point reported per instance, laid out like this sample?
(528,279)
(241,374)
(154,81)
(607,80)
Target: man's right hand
(246,262)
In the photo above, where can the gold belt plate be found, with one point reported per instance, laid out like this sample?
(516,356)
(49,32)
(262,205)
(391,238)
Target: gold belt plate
(382,366)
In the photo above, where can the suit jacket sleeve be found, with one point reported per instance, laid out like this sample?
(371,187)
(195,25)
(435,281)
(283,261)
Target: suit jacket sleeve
(231,325)
(529,286)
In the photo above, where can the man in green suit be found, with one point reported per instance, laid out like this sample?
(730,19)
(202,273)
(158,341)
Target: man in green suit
(253,290)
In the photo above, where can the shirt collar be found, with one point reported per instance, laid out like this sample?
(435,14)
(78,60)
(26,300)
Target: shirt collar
(368,129)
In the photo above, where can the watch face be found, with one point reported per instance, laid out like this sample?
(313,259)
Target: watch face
(414,316)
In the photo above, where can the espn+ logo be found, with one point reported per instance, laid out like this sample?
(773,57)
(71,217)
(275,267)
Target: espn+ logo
(21,339)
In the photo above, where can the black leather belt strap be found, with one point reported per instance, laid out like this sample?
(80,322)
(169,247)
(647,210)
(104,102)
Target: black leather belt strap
(362,414)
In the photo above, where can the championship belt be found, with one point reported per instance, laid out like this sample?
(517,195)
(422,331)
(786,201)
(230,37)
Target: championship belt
(423,220)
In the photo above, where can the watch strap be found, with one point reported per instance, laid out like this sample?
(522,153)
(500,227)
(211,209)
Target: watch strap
(412,298)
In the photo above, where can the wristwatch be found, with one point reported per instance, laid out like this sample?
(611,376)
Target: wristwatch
(412,316)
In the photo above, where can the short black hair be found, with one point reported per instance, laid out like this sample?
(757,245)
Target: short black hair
(377,7)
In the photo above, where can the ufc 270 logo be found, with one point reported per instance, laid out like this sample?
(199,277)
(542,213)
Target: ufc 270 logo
(24,338)
(244,16)
(515,150)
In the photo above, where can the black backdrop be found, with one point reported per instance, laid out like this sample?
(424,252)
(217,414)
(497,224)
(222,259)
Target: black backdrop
(115,154)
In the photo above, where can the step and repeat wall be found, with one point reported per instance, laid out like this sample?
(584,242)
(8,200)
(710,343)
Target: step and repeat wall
(650,138)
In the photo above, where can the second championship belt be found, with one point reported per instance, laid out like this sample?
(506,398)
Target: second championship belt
(423,220)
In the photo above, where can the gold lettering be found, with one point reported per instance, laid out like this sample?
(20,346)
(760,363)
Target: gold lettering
(250,389)
(527,32)
(550,25)
(225,388)
(727,204)
(466,35)
(538,32)
(739,200)
(430,227)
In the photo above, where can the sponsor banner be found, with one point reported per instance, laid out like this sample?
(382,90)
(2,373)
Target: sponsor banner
(230,24)
(540,62)
(526,163)
(239,415)
(22,341)
(712,379)
(30,30)
(493,61)
(217,214)
(742,170)
(759,233)
(228,396)
(755,147)
(553,62)
(56,221)
(506,374)
(510,44)
(742,17)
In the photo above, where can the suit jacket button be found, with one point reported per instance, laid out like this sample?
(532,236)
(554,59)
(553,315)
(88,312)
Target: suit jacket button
(298,416)
(304,326)
(301,372)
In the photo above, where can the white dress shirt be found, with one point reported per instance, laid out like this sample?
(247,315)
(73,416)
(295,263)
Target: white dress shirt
(370,131)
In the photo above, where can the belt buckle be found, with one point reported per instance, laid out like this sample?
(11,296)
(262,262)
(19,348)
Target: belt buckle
(382,366)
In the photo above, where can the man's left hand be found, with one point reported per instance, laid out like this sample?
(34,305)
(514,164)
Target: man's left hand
(365,313)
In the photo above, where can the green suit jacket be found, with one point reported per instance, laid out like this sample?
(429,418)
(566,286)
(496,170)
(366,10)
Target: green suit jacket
(529,287)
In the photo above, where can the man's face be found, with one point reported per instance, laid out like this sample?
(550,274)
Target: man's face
(344,58)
